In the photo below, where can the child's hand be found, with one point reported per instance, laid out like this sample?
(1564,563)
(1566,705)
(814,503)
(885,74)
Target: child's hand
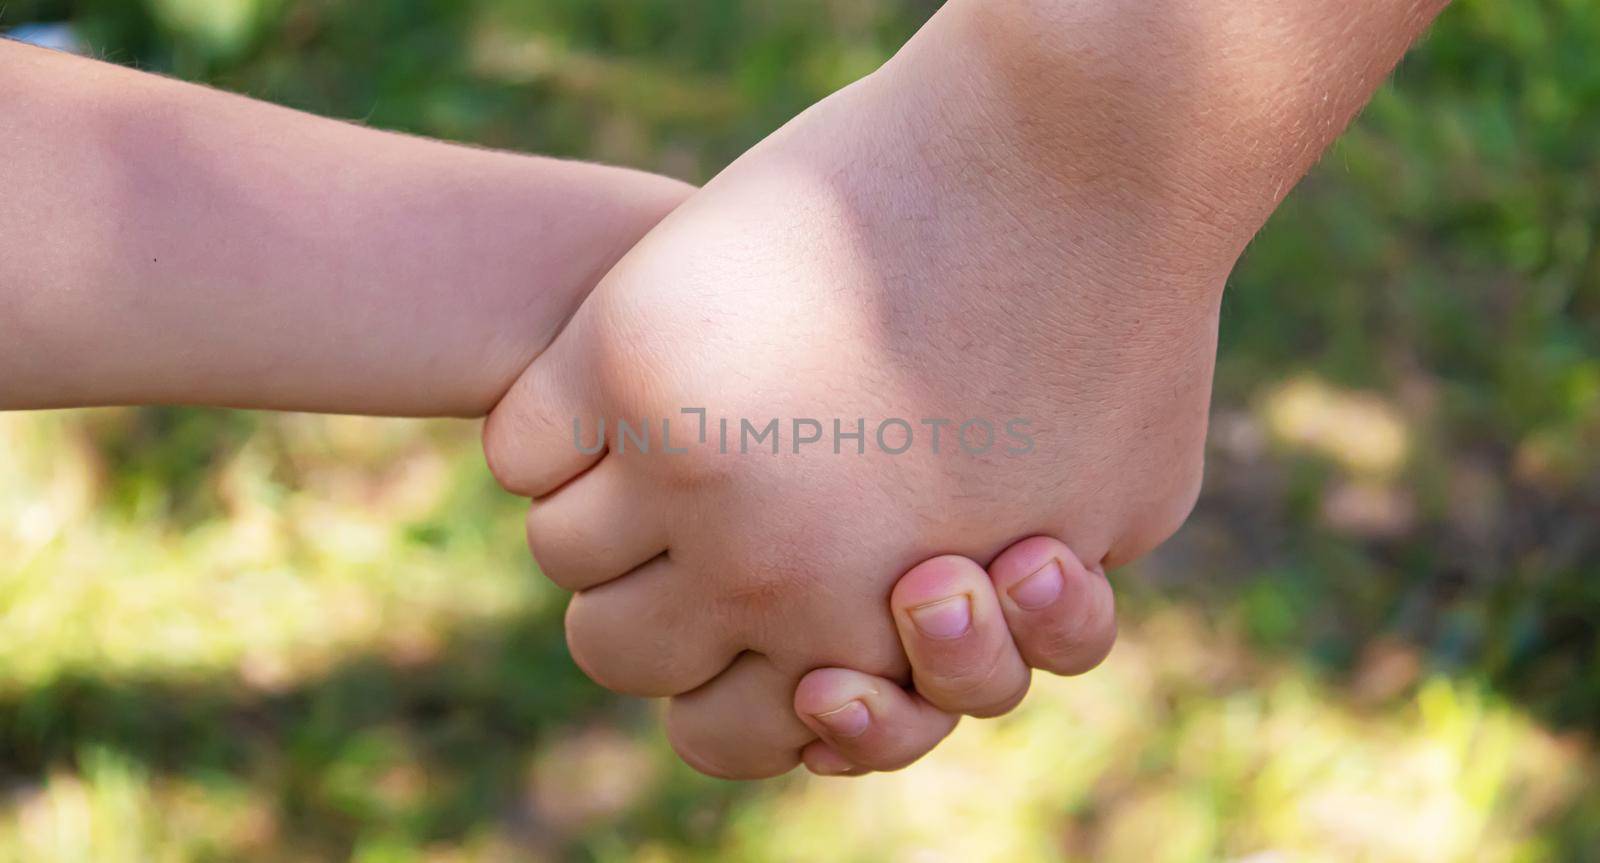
(887,256)
(1037,606)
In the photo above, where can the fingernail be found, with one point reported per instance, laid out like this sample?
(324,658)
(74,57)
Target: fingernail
(831,763)
(1040,589)
(945,619)
(851,720)
(834,770)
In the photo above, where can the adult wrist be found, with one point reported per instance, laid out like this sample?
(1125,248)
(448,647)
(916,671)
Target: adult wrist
(1077,140)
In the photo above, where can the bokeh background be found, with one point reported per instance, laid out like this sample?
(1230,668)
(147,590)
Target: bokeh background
(243,636)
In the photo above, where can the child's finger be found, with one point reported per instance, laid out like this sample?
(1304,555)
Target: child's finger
(1062,614)
(865,722)
(822,759)
(955,634)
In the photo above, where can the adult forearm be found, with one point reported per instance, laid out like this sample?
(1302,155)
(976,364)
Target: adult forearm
(1197,113)
(166,243)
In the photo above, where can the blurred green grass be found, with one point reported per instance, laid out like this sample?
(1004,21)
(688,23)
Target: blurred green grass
(229,635)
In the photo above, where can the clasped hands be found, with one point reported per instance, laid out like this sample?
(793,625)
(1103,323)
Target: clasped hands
(840,601)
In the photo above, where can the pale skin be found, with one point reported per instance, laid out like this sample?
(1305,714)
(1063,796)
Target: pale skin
(166,243)
(169,244)
(1030,211)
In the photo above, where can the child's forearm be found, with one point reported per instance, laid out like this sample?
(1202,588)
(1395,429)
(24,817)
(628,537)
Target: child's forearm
(166,243)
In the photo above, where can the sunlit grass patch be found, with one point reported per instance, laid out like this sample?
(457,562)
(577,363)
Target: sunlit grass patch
(1173,751)
(1359,431)
(357,553)
(111,810)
